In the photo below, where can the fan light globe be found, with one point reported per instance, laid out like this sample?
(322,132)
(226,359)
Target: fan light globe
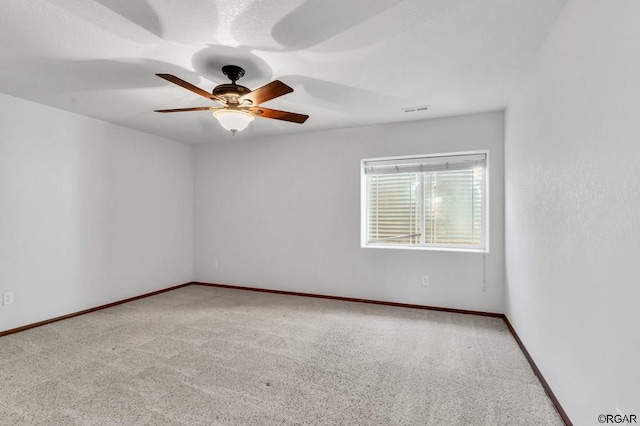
(233,120)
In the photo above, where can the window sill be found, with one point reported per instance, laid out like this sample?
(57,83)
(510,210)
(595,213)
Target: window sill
(427,248)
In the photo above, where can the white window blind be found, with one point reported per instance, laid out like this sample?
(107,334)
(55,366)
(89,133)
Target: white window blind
(429,201)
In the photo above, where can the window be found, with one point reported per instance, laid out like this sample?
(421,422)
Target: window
(426,202)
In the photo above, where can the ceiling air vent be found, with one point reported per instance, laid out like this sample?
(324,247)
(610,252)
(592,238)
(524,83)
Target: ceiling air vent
(416,108)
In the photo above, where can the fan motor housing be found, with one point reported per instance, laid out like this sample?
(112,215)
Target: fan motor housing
(230,92)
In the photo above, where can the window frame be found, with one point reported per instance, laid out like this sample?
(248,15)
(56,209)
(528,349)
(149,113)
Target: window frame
(430,247)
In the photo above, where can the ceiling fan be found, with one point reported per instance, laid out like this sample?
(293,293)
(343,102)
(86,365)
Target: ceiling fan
(239,104)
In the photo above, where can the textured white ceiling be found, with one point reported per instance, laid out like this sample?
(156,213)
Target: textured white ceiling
(351,62)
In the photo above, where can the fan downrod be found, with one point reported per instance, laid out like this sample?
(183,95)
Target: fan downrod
(233,72)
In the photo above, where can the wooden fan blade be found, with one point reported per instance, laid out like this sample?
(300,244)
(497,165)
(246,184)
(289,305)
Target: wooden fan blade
(188,109)
(267,92)
(198,91)
(278,115)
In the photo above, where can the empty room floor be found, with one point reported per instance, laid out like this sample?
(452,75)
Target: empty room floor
(210,356)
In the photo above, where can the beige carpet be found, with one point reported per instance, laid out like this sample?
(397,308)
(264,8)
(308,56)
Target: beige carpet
(209,356)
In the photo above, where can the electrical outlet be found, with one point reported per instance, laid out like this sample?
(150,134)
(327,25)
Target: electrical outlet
(425,280)
(7,298)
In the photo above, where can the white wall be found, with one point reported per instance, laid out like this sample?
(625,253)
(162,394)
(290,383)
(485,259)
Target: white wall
(284,213)
(573,207)
(90,212)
